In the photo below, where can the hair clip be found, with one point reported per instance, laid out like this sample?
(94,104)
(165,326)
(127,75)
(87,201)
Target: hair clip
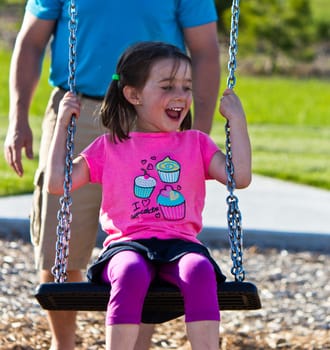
(115,77)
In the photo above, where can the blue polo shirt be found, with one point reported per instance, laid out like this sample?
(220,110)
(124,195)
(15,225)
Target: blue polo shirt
(106,28)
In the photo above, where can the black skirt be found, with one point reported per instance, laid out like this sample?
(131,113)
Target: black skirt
(156,250)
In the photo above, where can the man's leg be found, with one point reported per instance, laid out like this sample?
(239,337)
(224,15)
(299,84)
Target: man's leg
(62,324)
(43,220)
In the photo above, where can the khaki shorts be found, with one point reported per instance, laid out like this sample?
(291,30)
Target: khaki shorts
(86,201)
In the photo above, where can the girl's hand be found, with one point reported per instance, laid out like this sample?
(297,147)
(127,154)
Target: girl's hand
(230,106)
(69,105)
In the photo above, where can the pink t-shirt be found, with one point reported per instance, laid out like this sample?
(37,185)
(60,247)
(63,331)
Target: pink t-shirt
(153,184)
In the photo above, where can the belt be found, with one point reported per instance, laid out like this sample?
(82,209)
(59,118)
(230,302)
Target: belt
(95,98)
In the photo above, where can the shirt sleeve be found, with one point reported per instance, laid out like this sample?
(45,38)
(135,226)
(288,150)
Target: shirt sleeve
(94,155)
(193,13)
(45,9)
(208,149)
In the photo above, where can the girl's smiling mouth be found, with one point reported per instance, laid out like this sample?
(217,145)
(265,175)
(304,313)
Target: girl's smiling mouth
(174,112)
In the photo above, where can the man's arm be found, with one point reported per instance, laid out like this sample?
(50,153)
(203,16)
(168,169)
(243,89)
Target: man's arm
(202,43)
(23,78)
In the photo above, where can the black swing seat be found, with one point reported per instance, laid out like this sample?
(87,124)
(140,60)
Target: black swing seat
(162,303)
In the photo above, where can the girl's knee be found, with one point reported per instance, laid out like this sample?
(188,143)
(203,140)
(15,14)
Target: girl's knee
(198,269)
(129,268)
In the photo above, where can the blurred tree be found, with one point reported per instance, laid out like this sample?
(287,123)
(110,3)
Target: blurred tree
(222,8)
(276,27)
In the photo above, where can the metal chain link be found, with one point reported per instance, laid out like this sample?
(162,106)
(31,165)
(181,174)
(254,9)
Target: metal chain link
(72,46)
(233,213)
(64,215)
(233,47)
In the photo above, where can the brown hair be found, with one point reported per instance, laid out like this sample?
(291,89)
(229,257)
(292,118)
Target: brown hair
(133,69)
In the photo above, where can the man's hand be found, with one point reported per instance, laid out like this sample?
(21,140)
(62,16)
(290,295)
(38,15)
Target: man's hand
(18,137)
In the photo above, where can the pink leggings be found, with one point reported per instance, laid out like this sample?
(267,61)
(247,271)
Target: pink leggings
(130,275)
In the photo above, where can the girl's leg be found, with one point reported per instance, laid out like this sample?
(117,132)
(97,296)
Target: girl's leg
(195,276)
(203,335)
(129,275)
(143,341)
(121,336)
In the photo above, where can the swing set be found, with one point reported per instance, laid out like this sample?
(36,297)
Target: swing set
(164,301)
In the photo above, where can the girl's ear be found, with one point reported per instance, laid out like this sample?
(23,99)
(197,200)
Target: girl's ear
(132,95)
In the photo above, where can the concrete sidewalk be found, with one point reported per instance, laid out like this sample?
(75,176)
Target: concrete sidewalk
(274,214)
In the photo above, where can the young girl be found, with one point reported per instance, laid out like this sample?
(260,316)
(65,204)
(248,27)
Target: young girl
(153,170)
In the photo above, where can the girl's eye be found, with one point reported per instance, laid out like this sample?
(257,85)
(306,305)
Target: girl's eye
(167,87)
(187,88)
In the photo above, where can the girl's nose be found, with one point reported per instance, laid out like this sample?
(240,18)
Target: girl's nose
(181,96)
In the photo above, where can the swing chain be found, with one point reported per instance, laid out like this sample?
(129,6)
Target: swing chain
(234,216)
(72,46)
(233,47)
(233,213)
(64,215)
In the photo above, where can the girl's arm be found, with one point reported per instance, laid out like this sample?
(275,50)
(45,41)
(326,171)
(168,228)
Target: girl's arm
(232,110)
(54,177)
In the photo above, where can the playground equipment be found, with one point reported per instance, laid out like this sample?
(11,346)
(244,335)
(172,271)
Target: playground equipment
(164,301)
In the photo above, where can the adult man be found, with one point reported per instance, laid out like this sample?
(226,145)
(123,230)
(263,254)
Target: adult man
(105,29)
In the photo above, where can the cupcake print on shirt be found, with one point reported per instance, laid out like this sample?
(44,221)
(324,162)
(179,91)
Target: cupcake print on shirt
(144,186)
(168,170)
(158,192)
(172,203)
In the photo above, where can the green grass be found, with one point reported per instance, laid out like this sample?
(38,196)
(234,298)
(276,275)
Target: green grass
(320,10)
(42,93)
(289,126)
(295,153)
(298,154)
(10,182)
(285,101)
(288,121)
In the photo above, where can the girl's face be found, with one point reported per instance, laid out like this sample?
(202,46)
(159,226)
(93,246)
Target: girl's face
(165,99)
